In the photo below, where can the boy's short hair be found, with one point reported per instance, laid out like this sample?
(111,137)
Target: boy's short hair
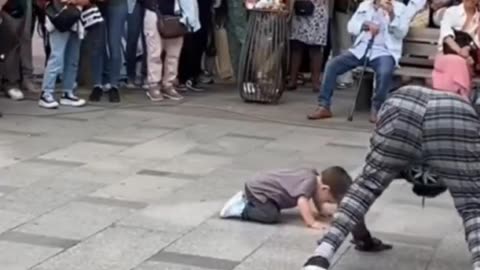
(338,180)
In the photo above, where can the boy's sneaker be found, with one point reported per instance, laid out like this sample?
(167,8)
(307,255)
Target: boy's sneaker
(193,86)
(234,207)
(172,94)
(114,95)
(47,101)
(316,263)
(72,100)
(96,94)
(154,94)
(15,94)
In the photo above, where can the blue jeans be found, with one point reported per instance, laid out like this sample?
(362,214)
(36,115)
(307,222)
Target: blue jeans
(63,60)
(383,67)
(116,17)
(134,32)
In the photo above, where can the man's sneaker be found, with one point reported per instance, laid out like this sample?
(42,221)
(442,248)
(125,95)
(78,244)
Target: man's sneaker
(316,263)
(15,94)
(193,86)
(172,94)
(114,95)
(181,87)
(234,207)
(154,94)
(47,101)
(96,94)
(72,100)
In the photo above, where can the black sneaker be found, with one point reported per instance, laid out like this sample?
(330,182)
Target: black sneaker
(114,95)
(72,100)
(193,86)
(47,101)
(316,263)
(96,94)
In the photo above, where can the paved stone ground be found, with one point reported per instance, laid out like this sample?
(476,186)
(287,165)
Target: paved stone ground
(138,186)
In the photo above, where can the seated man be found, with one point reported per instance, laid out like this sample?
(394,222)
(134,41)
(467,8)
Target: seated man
(380,29)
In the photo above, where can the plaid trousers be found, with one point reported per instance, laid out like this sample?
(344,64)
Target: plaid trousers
(418,125)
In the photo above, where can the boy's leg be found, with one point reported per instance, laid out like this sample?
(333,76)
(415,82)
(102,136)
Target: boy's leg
(393,146)
(257,211)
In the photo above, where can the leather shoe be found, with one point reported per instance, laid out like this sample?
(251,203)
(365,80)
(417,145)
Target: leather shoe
(320,113)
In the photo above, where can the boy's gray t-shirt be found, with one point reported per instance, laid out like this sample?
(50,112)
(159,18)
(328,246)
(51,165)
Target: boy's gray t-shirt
(283,186)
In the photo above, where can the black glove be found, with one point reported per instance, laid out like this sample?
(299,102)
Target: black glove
(371,245)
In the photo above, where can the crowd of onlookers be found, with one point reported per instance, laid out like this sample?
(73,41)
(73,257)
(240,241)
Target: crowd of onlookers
(116,30)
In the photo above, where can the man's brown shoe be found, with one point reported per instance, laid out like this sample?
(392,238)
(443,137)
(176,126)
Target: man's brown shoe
(320,113)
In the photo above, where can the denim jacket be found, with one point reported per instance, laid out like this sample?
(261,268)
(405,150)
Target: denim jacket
(190,16)
(394,33)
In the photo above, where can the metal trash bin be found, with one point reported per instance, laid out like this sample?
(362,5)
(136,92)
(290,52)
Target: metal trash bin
(264,57)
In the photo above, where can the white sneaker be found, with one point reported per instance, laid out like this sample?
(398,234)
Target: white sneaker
(47,101)
(72,100)
(234,207)
(15,94)
(313,267)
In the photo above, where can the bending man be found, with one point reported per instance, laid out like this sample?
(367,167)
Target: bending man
(416,126)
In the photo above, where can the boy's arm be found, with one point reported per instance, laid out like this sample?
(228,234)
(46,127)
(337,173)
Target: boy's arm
(307,214)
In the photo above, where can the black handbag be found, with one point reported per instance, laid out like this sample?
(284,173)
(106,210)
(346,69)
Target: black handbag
(170,26)
(303,8)
(62,16)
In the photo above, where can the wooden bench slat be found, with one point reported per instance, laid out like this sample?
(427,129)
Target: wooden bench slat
(423,34)
(416,62)
(419,49)
(414,72)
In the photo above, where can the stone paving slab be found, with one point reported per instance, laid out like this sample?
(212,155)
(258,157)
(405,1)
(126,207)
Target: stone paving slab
(16,256)
(117,248)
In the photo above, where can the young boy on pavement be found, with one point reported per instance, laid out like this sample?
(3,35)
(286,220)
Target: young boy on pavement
(267,193)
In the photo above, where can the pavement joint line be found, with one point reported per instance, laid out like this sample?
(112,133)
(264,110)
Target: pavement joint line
(38,240)
(207,152)
(194,260)
(22,133)
(168,174)
(345,145)
(113,202)
(246,136)
(65,163)
(111,142)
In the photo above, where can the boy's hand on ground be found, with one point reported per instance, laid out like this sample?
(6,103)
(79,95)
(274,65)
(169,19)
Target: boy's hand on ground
(371,245)
(317,225)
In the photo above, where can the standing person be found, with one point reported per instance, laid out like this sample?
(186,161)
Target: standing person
(162,72)
(194,47)
(18,73)
(309,31)
(63,59)
(341,39)
(236,29)
(417,126)
(115,14)
(136,14)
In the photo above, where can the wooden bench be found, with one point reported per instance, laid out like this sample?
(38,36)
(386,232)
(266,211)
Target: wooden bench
(419,49)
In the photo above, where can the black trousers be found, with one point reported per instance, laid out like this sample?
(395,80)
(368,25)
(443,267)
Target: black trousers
(257,211)
(195,45)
